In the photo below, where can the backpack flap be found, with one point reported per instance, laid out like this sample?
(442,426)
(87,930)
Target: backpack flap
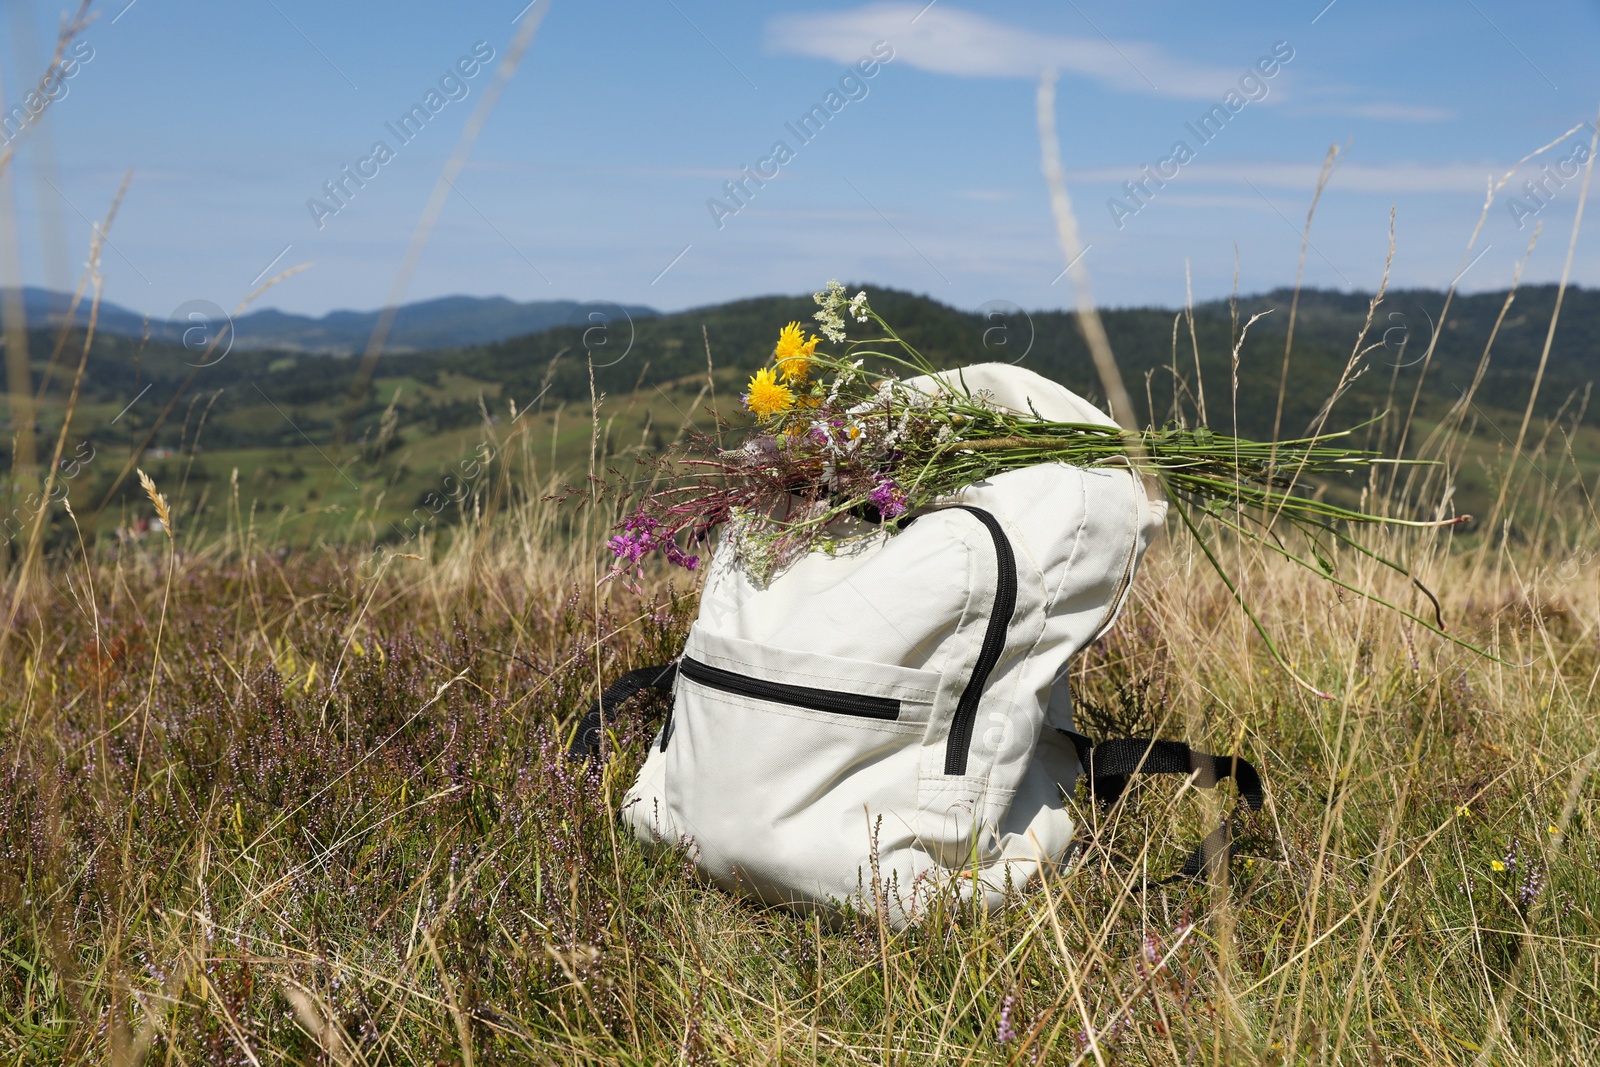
(1081,533)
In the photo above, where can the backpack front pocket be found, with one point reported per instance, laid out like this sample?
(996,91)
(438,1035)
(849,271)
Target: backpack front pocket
(777,762)
(799,696)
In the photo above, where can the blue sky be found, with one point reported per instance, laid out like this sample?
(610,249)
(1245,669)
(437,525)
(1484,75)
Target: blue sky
(594,176)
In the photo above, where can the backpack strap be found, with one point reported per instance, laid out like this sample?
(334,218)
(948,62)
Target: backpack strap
(591,731)
(1111,764)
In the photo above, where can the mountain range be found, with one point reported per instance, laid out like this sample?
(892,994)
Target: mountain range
(444,322)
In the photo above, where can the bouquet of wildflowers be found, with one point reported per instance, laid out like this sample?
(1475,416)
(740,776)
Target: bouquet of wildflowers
(840,450)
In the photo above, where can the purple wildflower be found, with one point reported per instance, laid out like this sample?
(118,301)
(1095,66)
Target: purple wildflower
(640,536)
(1150,954)
(630,546)
(1005,1032)
(1530,889)
(679,557)
(640,521)
(888,498)
(637,538)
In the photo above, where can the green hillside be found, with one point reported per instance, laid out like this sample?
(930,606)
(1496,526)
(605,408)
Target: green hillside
(284,434)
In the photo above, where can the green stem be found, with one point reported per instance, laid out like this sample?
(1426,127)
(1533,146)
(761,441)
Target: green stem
(1341,583)
(1262,630)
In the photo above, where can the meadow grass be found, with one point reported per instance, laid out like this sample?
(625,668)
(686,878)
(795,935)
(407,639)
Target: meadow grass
(313,808)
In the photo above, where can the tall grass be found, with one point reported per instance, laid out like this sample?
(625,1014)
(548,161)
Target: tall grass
(313,809)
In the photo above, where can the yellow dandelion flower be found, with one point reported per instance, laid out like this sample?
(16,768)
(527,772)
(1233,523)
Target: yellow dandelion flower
(1496,865)
(793,353)
(790,340)
(1553,830)
(766,397)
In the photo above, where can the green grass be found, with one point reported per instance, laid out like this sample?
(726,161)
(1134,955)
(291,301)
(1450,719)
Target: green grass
(309,490)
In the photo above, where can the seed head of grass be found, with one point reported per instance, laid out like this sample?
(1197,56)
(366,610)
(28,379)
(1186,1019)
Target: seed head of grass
(158,501)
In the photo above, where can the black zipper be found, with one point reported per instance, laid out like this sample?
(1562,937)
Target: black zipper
(797,695)
(994,645)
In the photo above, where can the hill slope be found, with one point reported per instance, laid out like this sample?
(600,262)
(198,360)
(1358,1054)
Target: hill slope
(309,442)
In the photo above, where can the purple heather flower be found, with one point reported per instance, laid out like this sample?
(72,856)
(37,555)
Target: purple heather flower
(1005,1032)
(1530,889)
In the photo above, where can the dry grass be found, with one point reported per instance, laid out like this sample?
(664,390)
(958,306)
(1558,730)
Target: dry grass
(312,809)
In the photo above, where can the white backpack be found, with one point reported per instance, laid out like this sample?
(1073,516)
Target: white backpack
(874,722)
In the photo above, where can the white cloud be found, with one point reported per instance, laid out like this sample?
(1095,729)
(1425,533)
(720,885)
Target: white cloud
(1387,112)
(1385,179)
(946,40)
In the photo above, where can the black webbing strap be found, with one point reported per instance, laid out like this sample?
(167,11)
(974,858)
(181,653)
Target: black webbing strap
(586,742)
(1109,766)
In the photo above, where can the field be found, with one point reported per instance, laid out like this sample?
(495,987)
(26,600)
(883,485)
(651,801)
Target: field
(272,800)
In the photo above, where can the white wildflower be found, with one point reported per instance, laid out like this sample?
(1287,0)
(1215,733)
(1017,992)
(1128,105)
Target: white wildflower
(821,429)
(832,301)
(883,397)
(858,306)
(899,430)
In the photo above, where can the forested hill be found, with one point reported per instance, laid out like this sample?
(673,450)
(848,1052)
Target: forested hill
(1151,344)
(1146,342)
(304,438)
